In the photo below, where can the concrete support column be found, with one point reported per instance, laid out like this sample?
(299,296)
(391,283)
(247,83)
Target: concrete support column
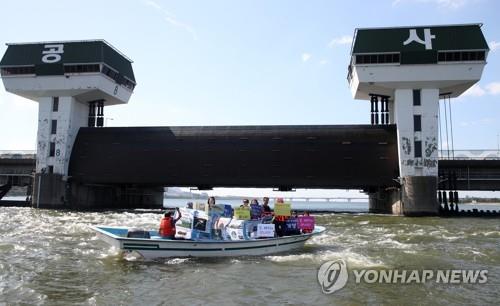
(416,114)
(59,119)
(385,201)
(49,191)
(419,196)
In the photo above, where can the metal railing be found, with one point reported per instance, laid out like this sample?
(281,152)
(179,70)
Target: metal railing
(17,154)
(442,154)
(469,154)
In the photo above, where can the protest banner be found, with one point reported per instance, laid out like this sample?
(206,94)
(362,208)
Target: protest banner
(242,213)
(283,209)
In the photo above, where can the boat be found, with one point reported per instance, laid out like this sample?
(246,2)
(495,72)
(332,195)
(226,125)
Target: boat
(216,231)
(151,245)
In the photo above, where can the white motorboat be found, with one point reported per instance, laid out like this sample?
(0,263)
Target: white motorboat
(150,245)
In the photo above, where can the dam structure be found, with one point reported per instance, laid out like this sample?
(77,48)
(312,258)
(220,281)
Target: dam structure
(404,72)
(72,82)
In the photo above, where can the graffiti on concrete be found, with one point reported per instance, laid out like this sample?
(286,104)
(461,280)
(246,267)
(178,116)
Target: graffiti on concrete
(419,162)
(406,145)
(430,163)
(430,146)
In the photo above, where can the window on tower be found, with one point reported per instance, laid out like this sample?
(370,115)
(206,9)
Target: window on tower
(53,127)
(6,71)
(418,148)
(417,123)
(461,56)
(384,58)
(52,149)
(117,77)
(81,68)
(55,104)
(416,97)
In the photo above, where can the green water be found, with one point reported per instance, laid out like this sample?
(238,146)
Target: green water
(53,258)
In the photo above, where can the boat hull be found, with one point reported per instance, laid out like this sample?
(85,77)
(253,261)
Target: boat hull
(157,247)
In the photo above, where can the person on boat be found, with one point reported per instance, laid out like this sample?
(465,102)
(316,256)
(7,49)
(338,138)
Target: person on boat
(189,205)
(167,224)
(280,221)
(211,202)
(255,210)
(266,209)
(245,204)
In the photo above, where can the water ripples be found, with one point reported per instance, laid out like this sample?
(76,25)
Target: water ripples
(53,257)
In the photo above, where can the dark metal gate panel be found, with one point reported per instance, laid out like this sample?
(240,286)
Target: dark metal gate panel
(344,156)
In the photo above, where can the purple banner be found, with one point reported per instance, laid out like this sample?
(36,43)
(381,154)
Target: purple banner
(255,211)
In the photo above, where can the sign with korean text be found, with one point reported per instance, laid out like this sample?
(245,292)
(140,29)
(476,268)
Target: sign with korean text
(265,230)
(291,224)
(306,223)
(282,209)
(255,211)
(419,39)
(228,211)
(242,213)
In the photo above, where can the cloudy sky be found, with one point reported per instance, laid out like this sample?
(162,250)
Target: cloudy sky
(244,62)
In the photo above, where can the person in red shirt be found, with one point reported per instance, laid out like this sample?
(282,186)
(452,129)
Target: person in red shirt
(167,225)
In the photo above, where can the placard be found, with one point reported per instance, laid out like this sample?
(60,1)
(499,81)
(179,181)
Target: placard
(291,224)
(265,230)
(282,209)
(183,227)
(306,223)
(228,211)
(201,206)
(234,230)
(255,211)
(242,213)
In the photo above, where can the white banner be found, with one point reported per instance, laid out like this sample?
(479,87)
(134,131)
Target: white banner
(265,230)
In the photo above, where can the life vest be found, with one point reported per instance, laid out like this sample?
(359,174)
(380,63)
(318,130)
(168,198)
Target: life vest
(280,218)
(166,227)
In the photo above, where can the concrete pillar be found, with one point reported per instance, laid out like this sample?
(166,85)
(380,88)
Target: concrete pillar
(419,196)
(59,119)
(416,115)
(49,191)
(67,118)
(385,201)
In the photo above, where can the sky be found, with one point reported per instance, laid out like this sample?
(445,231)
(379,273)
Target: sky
(246,62)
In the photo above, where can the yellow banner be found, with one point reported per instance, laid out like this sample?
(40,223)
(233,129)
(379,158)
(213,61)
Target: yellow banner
(242,213)
(282,209)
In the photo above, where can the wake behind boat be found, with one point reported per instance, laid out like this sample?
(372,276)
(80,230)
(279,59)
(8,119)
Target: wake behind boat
(216,230)
(157,247)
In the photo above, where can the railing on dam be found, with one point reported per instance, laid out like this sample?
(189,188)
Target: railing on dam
(17,154)
(469,154)
(476,154)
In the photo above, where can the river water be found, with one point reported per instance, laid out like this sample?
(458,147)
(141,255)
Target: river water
(50,257)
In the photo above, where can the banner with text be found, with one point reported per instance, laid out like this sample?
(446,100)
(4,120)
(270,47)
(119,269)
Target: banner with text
(282,209)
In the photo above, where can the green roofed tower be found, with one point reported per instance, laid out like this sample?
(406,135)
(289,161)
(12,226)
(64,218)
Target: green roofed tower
(406,71)
(72,81)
